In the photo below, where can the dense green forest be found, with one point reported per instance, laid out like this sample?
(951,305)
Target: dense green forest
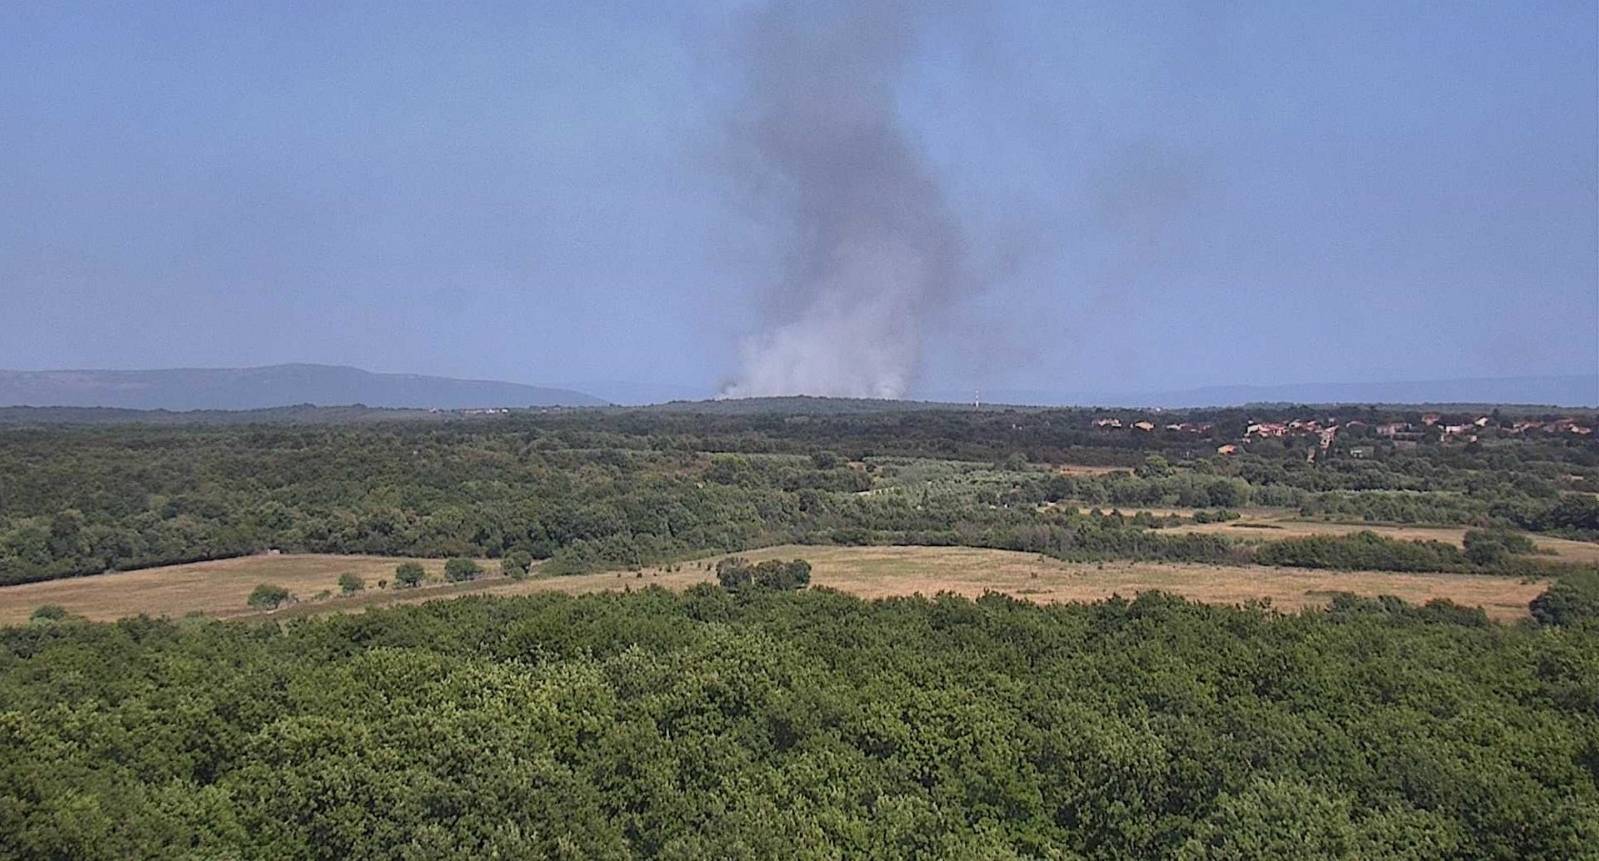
(759,723)
(619,487)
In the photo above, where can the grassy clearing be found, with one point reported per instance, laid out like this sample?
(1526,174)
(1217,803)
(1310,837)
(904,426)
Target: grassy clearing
(1279,526)
(1263,514)
(1083,469)
(875,572)
(1275,524)
(216,588)
(220,588)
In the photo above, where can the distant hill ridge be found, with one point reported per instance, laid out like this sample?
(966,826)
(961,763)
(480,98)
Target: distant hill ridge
(269,386)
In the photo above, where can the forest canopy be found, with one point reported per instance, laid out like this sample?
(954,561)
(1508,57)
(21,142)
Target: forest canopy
(769,723)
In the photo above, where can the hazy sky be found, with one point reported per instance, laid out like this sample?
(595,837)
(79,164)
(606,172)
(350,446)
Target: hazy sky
(1151,195)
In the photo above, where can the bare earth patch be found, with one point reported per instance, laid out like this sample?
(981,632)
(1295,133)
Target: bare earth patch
(220,588)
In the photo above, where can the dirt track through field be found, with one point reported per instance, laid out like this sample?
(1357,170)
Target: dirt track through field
(220,588)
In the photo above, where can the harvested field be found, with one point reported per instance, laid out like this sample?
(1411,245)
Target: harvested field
(876,572)
(880,572)
(1263,514)
(219,588)
(1277,528)
(216,588)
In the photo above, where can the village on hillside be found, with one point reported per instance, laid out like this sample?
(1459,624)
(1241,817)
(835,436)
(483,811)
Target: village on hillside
(1432,427)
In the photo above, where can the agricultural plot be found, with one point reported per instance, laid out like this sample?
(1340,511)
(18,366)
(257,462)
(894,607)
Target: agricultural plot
(1277,527)
(881,572)
(216,588)
(220,588)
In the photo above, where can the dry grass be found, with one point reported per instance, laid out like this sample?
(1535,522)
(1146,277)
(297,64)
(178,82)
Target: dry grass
(1277,523)
(216,588)
(1164,510)
(219,588)
(1271,526)
(1084,469)
(876,572)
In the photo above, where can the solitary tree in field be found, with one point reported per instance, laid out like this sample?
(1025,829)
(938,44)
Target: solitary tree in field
(516,563)
(49,613)
(268,597)
(1491,546)
(350,583)
(408,575)
(736,572)
(775,574)
(459,569)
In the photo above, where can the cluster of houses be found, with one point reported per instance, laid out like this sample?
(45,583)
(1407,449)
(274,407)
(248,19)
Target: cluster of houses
(1277,430)
(1469,430)
(1407,431)
(1401,434)
(1566,425)
(1149,426)
(1325,433)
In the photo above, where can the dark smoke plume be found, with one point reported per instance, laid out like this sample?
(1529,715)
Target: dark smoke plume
(871,254)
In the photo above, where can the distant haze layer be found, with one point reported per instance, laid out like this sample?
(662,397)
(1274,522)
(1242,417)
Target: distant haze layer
(324,385)
(1575,390)
(273,386)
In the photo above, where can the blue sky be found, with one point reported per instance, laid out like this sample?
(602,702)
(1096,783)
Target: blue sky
(1152,196)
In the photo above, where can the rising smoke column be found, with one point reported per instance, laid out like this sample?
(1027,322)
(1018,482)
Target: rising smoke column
(870,253)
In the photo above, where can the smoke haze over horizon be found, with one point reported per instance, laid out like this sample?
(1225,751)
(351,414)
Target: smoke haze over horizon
(879,198)
(869,253)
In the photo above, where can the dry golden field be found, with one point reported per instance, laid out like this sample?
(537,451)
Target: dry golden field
(220,588)
(1083,469)
(1274,527)
(216,588)
(1278,523)
(876,572)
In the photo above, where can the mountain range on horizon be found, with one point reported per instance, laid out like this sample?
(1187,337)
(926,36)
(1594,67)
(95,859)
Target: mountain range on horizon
(184,389)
